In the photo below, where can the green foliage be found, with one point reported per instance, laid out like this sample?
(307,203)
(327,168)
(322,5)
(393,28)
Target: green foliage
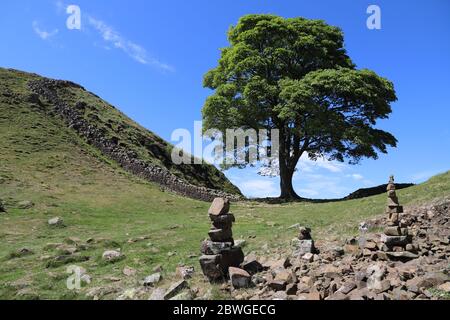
(295,75)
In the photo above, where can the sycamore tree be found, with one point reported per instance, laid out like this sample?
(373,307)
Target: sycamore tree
(294,75)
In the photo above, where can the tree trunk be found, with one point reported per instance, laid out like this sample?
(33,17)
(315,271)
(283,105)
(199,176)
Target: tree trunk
(287,190)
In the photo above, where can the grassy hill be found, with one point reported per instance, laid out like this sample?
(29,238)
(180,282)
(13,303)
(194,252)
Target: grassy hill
(64,176)
(22,110)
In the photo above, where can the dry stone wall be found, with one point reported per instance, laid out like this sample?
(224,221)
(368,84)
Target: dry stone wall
(127,159)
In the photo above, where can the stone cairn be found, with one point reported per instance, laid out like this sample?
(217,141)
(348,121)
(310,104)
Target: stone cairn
(396,236)
(219,252)
(304,244)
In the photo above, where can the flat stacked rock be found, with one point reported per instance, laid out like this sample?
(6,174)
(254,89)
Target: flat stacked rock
(219,252)
(396,236)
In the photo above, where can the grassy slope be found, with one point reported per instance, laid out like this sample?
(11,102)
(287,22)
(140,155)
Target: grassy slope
(64,177)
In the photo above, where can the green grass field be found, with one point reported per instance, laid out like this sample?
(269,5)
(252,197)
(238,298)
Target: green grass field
(63,176)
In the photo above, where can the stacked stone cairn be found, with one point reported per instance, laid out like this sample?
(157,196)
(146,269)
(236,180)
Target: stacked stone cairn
(396,237)
(304,244)
(219,252)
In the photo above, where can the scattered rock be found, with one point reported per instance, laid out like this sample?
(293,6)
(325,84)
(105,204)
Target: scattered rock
(56,222)
(175,289)
(239,278)
(22,252)
(445,287)
(2,207)
(129,272)
(158,294)
(151,280)
(24,205)
(185,272)
(112,256)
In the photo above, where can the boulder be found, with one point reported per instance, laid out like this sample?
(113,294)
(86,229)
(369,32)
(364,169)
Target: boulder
(112,255)
(152,280)
(25,205)
(277,285)
(393,231)
(210,265)
(252,266)
(175,289)
(347,287)
(401,256)
(2,207)
(239,278)
(392,241)
(375,276)
(309,257)
(56,222)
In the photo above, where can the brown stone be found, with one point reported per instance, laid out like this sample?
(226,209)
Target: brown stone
(277,285)
(392,231)
(239,278)
(220,206)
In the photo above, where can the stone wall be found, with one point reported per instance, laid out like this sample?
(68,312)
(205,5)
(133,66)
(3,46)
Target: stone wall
(127,159)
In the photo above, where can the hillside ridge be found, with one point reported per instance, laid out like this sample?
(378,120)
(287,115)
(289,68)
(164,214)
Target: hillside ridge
(134,148)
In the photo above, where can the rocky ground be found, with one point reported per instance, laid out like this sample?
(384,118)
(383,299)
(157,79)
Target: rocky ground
(361,268)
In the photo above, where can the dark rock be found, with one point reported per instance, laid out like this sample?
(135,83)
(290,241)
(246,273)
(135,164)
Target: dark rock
(221,235)
(392,241)
(239,278)
(231,258)
(224,221)
(2,206)
(175,289)
(211,267)
(252,267)
(401,256)
(211,248)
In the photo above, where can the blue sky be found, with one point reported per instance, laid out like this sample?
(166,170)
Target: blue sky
(148,58)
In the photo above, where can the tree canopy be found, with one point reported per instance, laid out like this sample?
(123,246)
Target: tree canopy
(294,75)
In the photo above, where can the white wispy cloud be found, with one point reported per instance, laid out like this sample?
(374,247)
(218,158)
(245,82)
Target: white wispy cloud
(43,34)
(133,50)
(355,176)
(308,165)
(259,188)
